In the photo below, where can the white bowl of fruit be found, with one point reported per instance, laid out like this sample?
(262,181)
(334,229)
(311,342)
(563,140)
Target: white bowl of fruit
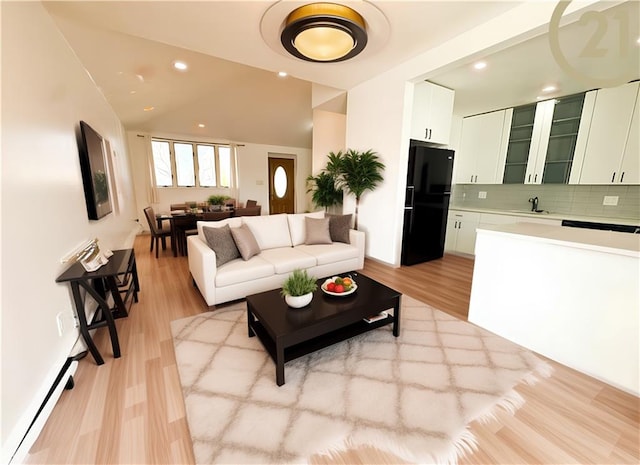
(339,286)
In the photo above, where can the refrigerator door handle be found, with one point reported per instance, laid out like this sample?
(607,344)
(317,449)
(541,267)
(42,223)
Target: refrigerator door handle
(410,191)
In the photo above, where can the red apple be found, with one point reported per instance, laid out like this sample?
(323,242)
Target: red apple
(339,288)
(331,287)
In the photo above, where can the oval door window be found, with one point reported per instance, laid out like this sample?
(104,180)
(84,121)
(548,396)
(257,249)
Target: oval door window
(280,181)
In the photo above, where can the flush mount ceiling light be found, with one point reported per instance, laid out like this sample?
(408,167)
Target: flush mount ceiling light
(324,32)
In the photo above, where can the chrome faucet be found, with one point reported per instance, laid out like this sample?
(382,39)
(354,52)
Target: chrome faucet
(534,204)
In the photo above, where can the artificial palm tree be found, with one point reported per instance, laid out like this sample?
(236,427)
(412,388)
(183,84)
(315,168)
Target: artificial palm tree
(325,193)
(356,172)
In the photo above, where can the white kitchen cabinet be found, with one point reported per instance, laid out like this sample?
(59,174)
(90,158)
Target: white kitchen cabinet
(462,226)
(611,154)
(492,219)
(432,113)
(483,148)
(461,231)
(630,166)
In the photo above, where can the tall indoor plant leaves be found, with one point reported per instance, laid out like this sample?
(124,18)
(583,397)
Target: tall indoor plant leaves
(356,172)
(324,191)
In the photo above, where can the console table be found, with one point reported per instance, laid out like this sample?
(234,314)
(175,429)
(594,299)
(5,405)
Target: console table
(117,279)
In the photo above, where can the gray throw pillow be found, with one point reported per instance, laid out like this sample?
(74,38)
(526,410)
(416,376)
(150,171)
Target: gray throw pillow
(317,231)
(221,242)
(339,226)
(245,241)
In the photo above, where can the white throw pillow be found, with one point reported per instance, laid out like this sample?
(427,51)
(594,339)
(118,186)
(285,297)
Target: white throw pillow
(270,231)
(297,225)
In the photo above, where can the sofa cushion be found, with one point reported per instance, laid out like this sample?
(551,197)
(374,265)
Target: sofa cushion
(221,242)
(245,241)
(239,271)
(297,225)
(317,231)
(270,231)
(287,259)
(325,253)
(339,226)
(232,222)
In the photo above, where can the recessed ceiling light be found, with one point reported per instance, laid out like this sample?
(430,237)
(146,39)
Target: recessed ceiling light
(549,89)
(149,108)
(480,65)
(282,74)
(180,65)
(200,125)
(132,91)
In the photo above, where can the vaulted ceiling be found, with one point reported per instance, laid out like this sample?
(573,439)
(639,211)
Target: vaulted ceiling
(232,50)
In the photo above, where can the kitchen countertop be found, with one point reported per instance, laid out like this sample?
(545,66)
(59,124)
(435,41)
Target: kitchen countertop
(618,243)
(552,215)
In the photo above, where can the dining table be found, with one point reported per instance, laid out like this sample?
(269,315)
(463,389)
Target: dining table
(181,223)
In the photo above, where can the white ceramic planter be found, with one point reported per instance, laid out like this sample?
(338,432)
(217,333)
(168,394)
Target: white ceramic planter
(298,301)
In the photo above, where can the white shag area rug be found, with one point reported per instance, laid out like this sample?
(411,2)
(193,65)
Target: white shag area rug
(412,396)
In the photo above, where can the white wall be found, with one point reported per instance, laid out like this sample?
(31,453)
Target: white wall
(378,117)
(253,176)
(45,93)
(329,135)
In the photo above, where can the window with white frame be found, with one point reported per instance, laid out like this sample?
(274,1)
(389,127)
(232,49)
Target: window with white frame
(191,164)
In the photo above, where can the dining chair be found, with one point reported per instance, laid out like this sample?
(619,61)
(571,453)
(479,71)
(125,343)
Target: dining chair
(178,206)
(251,203)
(157,234)
(248,211)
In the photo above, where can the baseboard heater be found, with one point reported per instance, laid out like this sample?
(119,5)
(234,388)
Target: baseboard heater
(64,380)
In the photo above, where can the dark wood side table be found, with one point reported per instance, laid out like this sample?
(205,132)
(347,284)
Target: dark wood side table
(118,279)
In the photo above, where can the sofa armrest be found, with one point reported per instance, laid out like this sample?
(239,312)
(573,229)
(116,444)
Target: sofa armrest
(356,238)
(202,265)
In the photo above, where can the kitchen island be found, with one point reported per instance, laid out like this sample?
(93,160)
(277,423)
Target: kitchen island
(570,294)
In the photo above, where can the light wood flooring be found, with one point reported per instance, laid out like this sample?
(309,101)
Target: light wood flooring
(130,410)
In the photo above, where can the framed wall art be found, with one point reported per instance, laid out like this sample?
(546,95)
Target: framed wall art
(95,179)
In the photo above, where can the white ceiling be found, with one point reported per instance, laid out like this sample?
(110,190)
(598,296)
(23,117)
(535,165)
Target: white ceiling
(232,50)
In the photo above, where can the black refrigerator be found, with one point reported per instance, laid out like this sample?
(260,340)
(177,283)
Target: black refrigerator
(426,202)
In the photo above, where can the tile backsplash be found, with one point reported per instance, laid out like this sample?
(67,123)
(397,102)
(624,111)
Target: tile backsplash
(556,198)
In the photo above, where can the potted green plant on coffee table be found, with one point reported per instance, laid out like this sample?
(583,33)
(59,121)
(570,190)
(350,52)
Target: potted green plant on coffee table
(298,288)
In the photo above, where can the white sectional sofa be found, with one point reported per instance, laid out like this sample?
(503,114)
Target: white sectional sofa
(281,239)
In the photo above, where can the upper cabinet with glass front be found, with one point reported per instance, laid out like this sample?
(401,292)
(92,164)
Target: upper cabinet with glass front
(543,140)
(432,113)
(612,154)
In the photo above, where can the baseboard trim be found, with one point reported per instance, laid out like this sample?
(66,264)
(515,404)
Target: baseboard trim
(33,431)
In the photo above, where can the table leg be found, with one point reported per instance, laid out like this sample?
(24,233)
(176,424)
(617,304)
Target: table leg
(174,239)
(108,316)
(134,272)
(396,318)
(121,308)
(250,319)
(82,319)
(279,363)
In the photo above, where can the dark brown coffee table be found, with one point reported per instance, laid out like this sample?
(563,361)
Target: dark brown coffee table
(288,333)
